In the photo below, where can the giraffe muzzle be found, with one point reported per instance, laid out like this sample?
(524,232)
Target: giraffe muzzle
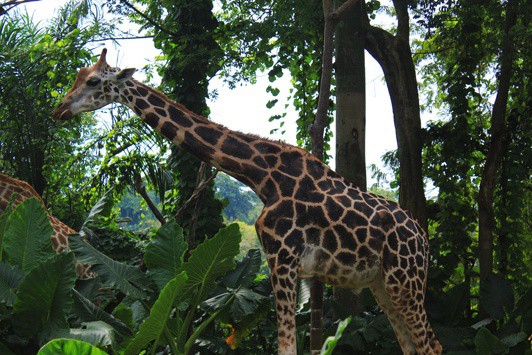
(61,114)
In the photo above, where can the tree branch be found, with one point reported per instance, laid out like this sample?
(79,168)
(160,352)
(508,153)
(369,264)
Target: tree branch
(119,38)
(148,19)
(201,185)
(336,14)
(139,187)
(12,4)
(403,26)
(317,128)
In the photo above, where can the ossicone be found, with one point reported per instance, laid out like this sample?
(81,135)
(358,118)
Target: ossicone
(102,62)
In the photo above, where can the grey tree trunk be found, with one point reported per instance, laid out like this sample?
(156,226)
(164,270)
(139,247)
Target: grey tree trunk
(395,58)
(486,219)
(350,114)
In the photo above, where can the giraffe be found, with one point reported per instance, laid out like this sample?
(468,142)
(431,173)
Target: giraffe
(314,222)
(16,191)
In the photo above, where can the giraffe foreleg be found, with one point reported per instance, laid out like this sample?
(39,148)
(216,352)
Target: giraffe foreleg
(284,282)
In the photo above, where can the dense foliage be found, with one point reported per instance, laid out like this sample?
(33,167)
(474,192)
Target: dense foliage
(178,286)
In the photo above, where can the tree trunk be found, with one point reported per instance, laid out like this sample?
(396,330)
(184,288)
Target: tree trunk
(395,58)
(38,181)
(350,114)
(316,136)
(486,219)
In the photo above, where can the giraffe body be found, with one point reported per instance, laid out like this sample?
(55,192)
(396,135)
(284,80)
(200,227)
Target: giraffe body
(16,191)
(314,222)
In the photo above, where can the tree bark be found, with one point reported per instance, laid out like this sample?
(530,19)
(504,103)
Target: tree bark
(350,114)
(395,58)
(316,136)
(486,218)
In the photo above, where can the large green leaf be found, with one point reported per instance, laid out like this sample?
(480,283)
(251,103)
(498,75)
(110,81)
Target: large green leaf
(245,272)
(95,333)
(128,279)
(102,208)
(455,303)
(496,296)
(27,236)
(69,347)
(244,303)
(164,254)
(44,297)
(212,259)
(153,327)
(88,311)
(487,343)
(10,278)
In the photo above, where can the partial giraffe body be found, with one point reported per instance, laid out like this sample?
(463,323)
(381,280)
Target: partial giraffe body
(16,191)
(314,222)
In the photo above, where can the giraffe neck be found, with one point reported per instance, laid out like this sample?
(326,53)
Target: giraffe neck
(246,157)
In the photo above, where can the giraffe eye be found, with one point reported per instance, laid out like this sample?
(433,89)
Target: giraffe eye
(93,81)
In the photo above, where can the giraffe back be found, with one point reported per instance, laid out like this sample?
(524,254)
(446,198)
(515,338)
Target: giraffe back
(15,191)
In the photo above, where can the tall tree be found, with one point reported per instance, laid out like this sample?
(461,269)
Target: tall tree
(351,112)
(393,53)
(495,152)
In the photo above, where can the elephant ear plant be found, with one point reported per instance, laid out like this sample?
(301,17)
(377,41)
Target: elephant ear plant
(169,305)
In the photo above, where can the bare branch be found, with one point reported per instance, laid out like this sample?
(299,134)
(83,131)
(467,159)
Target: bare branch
(139,187)
(103,39)
(336,14)
(8,5)
(403,26)
(318,127)
(147,18)
(201,185)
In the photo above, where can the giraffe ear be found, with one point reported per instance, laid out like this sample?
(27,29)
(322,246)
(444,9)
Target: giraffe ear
(125,73)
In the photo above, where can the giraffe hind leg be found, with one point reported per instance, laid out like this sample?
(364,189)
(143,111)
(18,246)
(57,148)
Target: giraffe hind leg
(406,311)
(399,326)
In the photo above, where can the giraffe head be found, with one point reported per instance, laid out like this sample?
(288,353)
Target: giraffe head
(95,87)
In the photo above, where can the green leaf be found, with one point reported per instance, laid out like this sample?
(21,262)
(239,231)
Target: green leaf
(153,327)
(211,259)
(90,312)
(44,297)
(455,303)
(271,103)
(69,347)
(514,339)
(95,333)
(164,254)
(128,279)
(10,278)
(496,296)
(245,302)
(27,237)
(330,342)
(487,343)
(103,208)
(245,272)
